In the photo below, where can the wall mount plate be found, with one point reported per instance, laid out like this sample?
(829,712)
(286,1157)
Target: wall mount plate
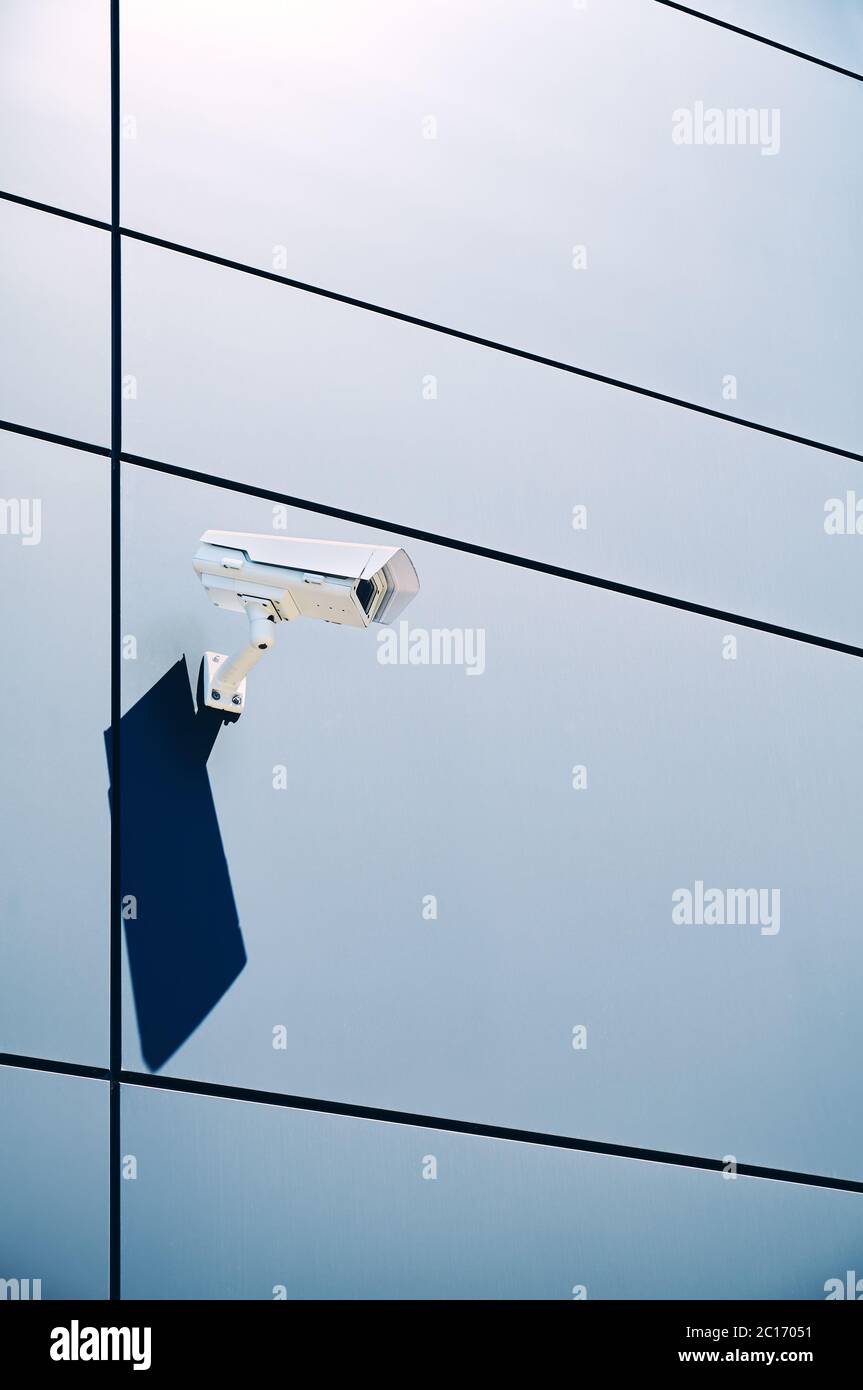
(229,704)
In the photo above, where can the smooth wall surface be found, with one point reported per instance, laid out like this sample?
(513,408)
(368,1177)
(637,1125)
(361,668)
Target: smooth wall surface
(442,888)
(831,32)
(54,1177)
(317,1206)
(54,883)
(512,170)
(54,103)
(230,375)
(54,303)
(351,793)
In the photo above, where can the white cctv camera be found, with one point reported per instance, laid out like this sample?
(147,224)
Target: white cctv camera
(273,579)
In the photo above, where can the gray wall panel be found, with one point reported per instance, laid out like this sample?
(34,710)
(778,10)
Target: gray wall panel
(54,1180)
(554,130)
(596,757)
(832,32)
(55,845)
(554,903)
(54,101)
(233,1200)
(54,303)
(268,385)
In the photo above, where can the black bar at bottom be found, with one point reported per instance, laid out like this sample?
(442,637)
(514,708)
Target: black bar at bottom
(220,1338)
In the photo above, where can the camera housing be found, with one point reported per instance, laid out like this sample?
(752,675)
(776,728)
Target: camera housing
(276,579)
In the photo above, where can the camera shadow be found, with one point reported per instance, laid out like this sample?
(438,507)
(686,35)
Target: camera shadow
(183,937)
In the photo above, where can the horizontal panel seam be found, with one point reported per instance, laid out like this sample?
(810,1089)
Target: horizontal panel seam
(761,38)
(462,335)
(254,1095)
(451,543)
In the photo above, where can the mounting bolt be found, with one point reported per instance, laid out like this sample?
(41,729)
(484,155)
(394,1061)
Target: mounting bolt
(216,695)
(235,700)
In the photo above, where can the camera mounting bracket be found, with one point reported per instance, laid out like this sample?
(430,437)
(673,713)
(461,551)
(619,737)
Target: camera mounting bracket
(225,677)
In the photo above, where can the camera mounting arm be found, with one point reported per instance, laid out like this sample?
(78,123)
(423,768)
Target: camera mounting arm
(225,677)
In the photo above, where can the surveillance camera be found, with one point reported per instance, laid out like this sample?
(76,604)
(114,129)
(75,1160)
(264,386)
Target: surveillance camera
(274,579)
